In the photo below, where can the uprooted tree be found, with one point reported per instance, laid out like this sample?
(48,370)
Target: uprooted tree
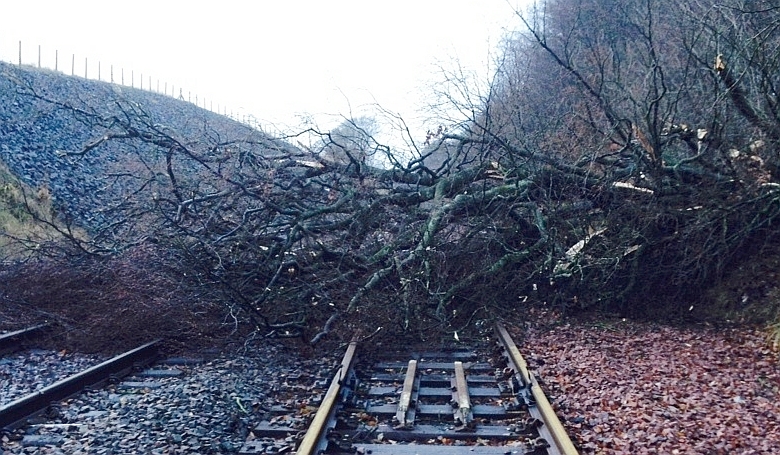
(621,158)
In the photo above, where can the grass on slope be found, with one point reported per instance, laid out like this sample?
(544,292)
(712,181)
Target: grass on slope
(26,217)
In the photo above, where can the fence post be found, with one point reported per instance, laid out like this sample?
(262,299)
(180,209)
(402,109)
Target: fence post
(123,76)
(39,56)
(73,65)
(112,73)
(132,78)
(98,69)
(56,59)
(142,81)
(20,52)
(85,67)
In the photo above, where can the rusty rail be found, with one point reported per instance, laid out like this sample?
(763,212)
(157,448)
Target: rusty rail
(315,439)
(14,414)
(11,341)
(542,408)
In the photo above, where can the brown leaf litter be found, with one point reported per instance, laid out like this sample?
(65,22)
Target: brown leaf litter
(631,388)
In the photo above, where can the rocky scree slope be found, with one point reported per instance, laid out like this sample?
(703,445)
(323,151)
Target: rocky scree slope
(47,119)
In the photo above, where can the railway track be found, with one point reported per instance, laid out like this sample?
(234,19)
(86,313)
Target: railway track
(17,412)
(14,341)
(176,405)
(478,400)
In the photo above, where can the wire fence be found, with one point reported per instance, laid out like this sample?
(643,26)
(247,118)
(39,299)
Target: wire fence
(95,70)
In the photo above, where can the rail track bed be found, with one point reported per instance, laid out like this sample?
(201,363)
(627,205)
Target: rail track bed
(478,399)
(25,369)
(168,405)
(16,413)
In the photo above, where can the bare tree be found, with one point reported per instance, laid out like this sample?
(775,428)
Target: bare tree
(352,143)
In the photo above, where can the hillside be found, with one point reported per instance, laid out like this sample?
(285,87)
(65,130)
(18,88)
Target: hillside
(47,119)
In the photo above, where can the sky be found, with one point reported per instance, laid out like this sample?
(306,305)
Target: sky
(279,61)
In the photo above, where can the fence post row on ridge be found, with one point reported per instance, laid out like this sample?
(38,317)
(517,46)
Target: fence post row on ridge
(247,120)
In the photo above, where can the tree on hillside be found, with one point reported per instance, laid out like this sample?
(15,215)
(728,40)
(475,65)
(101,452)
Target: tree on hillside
(626,92)
(351,143)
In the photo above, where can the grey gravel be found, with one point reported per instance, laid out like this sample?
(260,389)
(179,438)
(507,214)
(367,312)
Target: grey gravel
(23,373)
(207,408)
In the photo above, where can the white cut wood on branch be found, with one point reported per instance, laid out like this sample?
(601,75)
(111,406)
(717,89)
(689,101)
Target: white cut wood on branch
(575,250)
(629,186)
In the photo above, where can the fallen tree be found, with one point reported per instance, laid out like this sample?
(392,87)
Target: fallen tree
(612,178)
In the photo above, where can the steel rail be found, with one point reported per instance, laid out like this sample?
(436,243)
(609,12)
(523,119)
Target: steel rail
(315,438)
(13,415)
(553,425)
(10,341)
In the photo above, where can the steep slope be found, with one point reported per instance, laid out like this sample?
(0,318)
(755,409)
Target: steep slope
(47,119)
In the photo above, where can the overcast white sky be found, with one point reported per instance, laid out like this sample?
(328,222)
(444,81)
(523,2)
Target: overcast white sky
(276,59)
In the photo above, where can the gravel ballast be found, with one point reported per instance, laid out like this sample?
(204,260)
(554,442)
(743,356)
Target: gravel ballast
(25,372)
(206,408)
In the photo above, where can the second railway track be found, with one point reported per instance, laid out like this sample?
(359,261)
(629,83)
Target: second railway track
(15,413)
(184,405)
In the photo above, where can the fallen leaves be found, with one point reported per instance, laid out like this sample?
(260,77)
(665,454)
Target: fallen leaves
(646,388)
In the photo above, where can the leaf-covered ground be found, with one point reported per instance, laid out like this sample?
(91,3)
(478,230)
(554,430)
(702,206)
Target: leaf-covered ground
(629,388)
